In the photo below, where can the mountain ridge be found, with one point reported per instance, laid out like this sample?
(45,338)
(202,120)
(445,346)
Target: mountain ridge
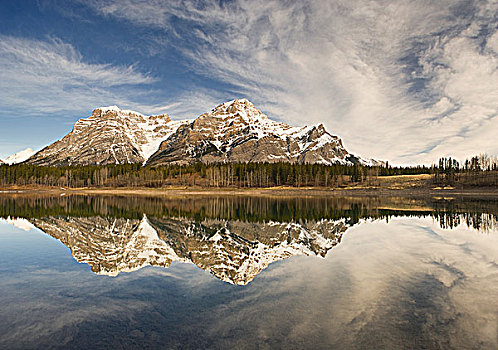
(233,251)
(109,136)
(234,131)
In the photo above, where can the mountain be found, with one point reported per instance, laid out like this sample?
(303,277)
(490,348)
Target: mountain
(109,245)
(234,131)
(231,250)
(20,156)
(236,251)
(109,136)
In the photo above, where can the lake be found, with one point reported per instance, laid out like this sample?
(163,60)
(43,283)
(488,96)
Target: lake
(129,272)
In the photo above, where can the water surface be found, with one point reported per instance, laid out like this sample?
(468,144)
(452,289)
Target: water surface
(135,272)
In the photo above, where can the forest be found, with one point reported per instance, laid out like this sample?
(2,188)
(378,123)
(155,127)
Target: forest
(480,215)
(477,171)
(481,170)
(239,175)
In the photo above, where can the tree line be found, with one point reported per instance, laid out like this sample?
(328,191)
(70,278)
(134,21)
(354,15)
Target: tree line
(240,175)
(481,215)
(479,170)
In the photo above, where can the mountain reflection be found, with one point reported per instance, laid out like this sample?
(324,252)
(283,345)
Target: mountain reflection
(232,238)
(233,251)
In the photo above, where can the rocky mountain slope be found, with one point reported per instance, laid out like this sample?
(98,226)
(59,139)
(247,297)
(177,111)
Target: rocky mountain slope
(234,131)
(109,136)
(233,251)
(236,251)
(109,245)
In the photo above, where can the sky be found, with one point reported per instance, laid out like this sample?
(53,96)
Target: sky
(403,81)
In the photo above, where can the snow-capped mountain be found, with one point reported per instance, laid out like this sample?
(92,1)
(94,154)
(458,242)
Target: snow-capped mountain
(236,251)
(233,251)
(20,156)
(108,245)
(109,136)
(234,131)
(20,223)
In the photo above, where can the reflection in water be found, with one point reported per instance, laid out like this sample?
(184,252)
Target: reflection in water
(483,222)
(233,251)
(232,238)
(425,276)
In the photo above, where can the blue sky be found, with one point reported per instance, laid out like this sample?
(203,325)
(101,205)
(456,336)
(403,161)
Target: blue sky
(404,81)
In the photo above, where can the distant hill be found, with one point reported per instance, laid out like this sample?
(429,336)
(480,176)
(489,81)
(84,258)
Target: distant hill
(19,157)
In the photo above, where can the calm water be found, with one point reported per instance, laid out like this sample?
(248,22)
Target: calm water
(126,272)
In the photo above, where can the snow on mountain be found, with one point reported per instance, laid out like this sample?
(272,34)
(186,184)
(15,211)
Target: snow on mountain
(109,136)
(233,251)
(109,245)
(234,131)
(144,248)
(20,156)
(236,259)
(20,223)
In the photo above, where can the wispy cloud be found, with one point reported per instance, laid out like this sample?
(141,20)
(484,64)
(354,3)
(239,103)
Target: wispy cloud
(52,76)
(186,105)
(407,81)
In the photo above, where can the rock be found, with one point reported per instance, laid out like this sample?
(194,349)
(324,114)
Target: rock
(234,131)
(109,136)
(238,132)
(233,251)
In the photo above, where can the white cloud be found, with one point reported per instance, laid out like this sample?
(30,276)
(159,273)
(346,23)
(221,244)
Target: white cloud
(492,43)
(51,76)
(186,105)
(406,81)
(43,77)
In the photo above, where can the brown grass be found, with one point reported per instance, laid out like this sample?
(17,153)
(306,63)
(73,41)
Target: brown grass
(399,185)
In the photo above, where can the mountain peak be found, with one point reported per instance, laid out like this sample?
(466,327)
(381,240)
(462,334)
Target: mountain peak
(20,156)
(109,136)
(234,131)
(109,108)
(97,112)
(237,108)
(113,111)
(236,103)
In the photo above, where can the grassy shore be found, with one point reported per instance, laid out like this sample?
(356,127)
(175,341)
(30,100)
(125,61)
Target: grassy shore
(402,185)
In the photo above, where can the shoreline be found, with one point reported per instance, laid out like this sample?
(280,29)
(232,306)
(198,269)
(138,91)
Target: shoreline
(418,192)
